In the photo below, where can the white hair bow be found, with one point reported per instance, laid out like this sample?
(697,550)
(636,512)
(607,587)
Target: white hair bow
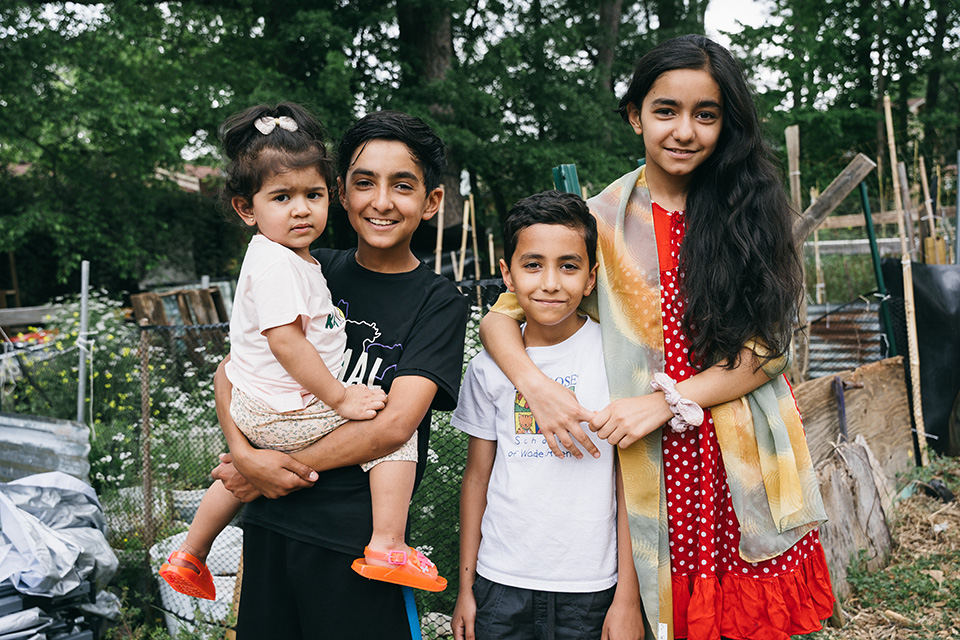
(266,124)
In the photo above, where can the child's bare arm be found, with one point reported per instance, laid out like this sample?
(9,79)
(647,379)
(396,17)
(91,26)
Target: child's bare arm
(300,359)
(555,407)
(624,619)
(627,420)
(473,502)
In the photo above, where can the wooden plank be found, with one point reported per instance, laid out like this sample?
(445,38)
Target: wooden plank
(879,411)
(842,185)
(23,316)
(884,217)
(148,306)
(855,247)
(217,297)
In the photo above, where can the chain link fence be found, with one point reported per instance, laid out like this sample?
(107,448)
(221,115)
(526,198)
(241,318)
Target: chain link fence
(155,436)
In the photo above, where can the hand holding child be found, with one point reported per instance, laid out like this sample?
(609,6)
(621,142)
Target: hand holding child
(263,472)
(360,402)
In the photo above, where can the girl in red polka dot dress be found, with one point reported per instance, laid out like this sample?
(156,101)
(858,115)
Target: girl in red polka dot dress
(705,230)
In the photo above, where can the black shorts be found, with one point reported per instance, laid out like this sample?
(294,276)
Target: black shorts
(511,613)
(299,591)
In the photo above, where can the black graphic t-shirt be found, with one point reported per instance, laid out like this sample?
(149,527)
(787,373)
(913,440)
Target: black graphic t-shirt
(398,324)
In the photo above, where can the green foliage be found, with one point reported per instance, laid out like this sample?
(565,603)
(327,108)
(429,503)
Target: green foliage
(136,624)
(832,61)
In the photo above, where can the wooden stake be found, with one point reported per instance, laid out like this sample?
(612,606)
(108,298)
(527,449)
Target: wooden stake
(493,261)
(793,162)
(930,244)
(453,262)
(801,344)
(880,181)
(463,237)
(438,252)
(818,265)
(908,301)
(476,250)
(907,208)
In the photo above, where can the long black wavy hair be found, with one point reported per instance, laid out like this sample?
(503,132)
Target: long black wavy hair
(743,277)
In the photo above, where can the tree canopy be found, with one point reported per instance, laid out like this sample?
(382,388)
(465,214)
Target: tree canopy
(95,97)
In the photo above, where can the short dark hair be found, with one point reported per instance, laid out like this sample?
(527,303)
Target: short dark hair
(254,156)
(550,207)
(424,145)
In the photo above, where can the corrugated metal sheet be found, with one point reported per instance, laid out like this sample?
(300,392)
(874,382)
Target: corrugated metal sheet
(844,338)
(29,444)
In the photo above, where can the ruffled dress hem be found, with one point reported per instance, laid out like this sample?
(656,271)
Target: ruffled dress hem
(710,607)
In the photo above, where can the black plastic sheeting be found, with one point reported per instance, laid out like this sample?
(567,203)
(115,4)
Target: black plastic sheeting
(936,291)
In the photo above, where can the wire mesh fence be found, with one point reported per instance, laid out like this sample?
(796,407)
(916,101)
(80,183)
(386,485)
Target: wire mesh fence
(155,435)
(155,439)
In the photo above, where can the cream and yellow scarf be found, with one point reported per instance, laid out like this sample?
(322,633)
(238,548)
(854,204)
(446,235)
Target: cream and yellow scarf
(772,483)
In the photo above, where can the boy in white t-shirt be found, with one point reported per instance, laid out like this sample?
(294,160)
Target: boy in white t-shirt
(541,537)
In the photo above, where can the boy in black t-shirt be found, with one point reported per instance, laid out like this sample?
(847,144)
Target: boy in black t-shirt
(405,329)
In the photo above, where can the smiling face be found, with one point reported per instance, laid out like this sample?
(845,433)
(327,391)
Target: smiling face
(550,273)
(385,199)
(290,208)
(680,121)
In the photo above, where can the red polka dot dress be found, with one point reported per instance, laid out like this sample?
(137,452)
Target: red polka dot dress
(715,592)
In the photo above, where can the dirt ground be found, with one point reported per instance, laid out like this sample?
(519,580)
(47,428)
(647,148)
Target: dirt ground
(917,596)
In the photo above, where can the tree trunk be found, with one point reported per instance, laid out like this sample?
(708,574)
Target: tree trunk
(609,23)
(426,52)
(930,138)
(863,96)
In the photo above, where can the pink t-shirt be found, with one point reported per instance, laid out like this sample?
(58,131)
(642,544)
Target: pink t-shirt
(276,287)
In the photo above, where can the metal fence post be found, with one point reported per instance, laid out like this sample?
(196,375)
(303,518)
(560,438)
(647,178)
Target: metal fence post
(82,338)
(146,462)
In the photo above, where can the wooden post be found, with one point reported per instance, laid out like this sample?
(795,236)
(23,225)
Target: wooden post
(931,245)
(438,252)
(453,262)
(801,342)
(493,261)
(907,208)
(818,265)
(908,301)
(476,250)
(880,181)
(463,237)
(793,161)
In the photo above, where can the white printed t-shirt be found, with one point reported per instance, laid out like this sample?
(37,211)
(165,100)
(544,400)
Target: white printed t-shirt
(276,287)
(550,523)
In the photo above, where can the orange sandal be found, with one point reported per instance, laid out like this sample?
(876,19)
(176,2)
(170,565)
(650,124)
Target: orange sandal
(196,581)
(408,568)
